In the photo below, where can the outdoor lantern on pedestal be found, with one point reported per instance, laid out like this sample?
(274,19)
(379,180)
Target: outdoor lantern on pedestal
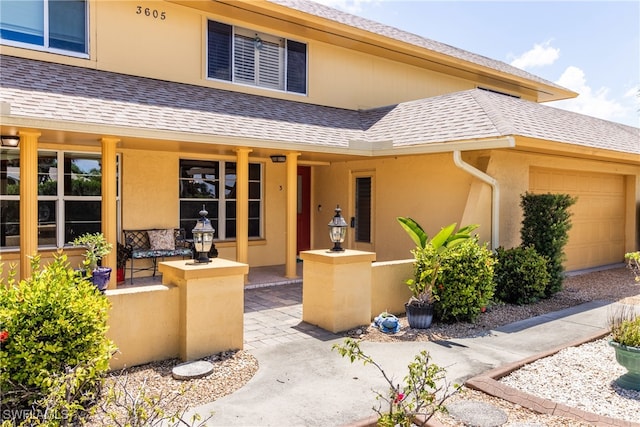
(203,238)
(337,230)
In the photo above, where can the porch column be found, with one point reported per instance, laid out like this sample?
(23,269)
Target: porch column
(242,205)
(109,206)
(292,215)
(28,200)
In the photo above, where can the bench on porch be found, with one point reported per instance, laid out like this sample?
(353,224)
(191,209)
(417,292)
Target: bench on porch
(153,244)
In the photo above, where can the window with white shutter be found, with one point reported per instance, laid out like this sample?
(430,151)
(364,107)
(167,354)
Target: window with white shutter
(258,59)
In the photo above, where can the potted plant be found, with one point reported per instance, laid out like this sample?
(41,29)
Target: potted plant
(426,267)
(625,339)
(97,247)
(124,253)
(633,263)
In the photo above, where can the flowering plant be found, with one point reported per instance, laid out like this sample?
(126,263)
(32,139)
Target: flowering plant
(424,391)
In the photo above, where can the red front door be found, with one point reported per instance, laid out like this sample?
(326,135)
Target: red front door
(304,209)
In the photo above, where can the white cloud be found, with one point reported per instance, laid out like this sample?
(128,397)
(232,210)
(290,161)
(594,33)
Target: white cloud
(592,103)
(540,55)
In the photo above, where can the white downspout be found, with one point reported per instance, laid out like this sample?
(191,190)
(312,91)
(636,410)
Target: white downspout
(495,196)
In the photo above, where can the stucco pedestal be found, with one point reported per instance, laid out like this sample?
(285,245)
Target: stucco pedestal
(336,288)
(211,306)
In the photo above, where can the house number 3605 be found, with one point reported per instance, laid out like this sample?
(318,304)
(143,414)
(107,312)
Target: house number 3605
(152,13)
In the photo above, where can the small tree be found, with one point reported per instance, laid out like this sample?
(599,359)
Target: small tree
(423,393)
(546,225)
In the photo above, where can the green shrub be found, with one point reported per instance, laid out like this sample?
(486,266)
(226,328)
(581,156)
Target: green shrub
(54,351)
(520,275)
(465,284)
(546,226)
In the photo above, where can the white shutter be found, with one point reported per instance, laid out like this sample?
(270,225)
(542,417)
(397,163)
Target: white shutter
(244,59)
(270,70)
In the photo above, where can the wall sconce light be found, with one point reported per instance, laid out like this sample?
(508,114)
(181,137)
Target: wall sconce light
(337,230)
(278,158)
(202,238)
(10,140)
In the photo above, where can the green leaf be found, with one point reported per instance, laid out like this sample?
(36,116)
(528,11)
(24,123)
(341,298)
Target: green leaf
(414,230)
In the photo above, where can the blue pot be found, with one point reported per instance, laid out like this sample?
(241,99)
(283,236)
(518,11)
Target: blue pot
(100,278)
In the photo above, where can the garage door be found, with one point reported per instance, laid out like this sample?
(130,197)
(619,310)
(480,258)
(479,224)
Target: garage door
(597,235)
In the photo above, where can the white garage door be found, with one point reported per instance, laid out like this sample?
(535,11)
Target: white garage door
(597,235)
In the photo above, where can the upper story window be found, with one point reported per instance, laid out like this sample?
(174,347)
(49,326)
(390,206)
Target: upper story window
(244,56)
(56,25)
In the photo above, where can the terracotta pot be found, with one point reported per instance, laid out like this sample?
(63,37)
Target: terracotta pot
(120,275)
(629,357)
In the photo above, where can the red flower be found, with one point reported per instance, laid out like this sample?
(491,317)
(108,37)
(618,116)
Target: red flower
(4,335)
(399,398)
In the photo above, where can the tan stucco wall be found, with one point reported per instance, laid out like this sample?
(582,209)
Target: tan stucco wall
(149,190)
(428,188)
(389,292)
(144,324)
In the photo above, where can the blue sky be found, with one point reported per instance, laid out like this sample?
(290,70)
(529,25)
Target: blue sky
(590,47)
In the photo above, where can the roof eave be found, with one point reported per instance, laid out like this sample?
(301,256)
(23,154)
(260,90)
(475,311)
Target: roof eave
(372,42)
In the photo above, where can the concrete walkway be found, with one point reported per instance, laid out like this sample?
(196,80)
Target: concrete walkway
(302,382)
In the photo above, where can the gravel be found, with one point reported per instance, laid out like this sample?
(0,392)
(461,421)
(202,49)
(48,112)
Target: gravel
(590,386)
(568,377)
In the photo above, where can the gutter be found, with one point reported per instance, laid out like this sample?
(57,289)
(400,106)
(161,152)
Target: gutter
(495,195)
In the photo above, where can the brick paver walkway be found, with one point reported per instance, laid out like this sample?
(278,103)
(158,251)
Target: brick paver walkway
(273,315)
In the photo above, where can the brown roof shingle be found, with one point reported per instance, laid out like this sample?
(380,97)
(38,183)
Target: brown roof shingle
(40,90)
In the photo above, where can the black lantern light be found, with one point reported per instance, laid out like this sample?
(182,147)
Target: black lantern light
(203,238)
(337,230)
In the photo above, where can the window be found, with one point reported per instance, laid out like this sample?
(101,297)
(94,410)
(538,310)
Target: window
(200,184)
(69,197)
(10,198)
(244,56)
(51,24)
(363,210)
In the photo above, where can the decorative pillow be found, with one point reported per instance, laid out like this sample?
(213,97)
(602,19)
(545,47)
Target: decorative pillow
(162,240)
(139,240)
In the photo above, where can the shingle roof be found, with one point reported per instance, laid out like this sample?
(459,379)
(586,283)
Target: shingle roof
(478,113)
(40,90)
(358,22)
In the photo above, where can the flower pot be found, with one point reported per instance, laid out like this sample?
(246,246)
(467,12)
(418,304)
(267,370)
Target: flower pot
(629,357)
(100,278)
(120,274)
(419,316)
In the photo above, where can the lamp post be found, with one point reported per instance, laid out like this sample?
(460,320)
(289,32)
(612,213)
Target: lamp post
(203,238)
(337,230)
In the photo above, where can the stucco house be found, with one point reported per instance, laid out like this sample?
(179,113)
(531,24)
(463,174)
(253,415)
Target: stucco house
(170,105)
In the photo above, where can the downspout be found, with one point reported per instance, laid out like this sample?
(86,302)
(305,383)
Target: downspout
(495,195)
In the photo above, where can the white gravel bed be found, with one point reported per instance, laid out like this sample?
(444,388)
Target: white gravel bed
(568,377)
